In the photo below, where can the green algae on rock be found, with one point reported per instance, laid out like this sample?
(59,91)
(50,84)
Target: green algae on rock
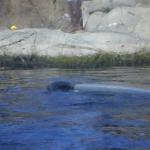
(103,59)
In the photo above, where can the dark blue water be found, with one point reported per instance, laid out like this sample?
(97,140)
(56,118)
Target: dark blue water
(33,119)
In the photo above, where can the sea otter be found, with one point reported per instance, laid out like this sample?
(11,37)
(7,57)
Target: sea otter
(60,86)
(66,86)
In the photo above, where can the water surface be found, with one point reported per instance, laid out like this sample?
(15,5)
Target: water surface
(33,119)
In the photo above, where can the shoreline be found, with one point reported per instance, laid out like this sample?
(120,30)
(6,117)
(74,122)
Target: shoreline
(98,60)
(45,48)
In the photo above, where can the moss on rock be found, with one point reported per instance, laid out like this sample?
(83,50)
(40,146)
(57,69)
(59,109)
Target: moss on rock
(140,58)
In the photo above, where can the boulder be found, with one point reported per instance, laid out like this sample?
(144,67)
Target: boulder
(89,7)
(93,21)
(122,20)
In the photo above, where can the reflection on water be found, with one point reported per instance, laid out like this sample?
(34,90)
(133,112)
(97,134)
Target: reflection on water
(33,119)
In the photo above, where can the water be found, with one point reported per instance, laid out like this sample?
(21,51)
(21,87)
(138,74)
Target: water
(33,119)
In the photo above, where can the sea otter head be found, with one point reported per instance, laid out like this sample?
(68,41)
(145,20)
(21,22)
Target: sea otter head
(60,86)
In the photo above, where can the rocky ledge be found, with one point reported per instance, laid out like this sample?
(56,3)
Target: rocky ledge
(46,42)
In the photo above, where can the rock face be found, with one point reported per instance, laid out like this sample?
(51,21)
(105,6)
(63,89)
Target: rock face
(38,13)
(56,14)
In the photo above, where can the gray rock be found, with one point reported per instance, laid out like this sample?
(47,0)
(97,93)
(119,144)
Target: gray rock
(35,14)
(88,7)
(45,42)
(122,20)
(93,21)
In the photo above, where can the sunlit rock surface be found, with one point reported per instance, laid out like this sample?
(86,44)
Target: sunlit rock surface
(122,20)
(88,7)
(55,42)
(121,16)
